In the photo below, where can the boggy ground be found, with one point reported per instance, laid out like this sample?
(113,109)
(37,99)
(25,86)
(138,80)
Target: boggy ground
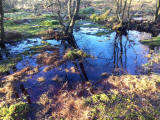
(22,24)
(113,97)
(124,97)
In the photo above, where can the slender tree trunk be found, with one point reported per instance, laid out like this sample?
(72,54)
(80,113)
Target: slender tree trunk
(157,14)
(2,34)
(74,17)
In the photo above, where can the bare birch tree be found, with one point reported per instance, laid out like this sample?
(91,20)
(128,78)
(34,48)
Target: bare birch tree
(67,11)
(123,8)
(157,14)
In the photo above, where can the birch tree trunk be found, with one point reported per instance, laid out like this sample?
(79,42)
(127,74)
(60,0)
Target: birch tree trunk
(157,14)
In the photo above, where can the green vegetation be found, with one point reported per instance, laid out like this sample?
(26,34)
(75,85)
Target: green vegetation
(102,17)
(34,26)
(74,54)
(117,26)
(16,111)
(155,41)
(115,106)
(50,23)
(133,98)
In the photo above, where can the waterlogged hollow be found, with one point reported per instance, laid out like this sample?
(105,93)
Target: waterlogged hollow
(112,55)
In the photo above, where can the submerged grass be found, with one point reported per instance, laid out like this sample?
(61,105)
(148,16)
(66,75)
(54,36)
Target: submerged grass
(7,65)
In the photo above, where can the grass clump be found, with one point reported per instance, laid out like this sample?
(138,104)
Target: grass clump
(16,111)
(50,22)
(75,54)
(155,41)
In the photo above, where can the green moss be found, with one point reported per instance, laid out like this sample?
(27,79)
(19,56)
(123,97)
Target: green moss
(45,43)
(102,17)
(75,54)
(16,111)
(50,22)
(117,26)
(93,17)
(35,49)
(155,41)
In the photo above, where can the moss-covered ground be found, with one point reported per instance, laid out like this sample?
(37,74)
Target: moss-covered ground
(35,25)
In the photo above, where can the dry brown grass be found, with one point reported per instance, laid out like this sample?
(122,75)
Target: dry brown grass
(69,107)
(11,85)
(65,104)
(143,85)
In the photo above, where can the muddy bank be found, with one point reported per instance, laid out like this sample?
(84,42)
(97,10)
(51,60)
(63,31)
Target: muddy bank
(11,36)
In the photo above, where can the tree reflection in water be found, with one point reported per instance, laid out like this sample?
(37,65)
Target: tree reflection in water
(120,47)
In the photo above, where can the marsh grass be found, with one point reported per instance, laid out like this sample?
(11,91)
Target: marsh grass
(155,41)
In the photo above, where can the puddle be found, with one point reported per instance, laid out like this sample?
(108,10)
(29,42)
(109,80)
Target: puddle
(20,47)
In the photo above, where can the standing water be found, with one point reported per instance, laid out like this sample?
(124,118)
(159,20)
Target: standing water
(113,54)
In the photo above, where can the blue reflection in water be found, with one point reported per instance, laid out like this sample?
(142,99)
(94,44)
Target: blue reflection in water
(107,50)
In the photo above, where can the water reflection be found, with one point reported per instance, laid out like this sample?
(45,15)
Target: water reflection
(118,53)
(114,52)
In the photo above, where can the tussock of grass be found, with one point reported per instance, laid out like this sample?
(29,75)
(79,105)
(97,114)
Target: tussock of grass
(74,54)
